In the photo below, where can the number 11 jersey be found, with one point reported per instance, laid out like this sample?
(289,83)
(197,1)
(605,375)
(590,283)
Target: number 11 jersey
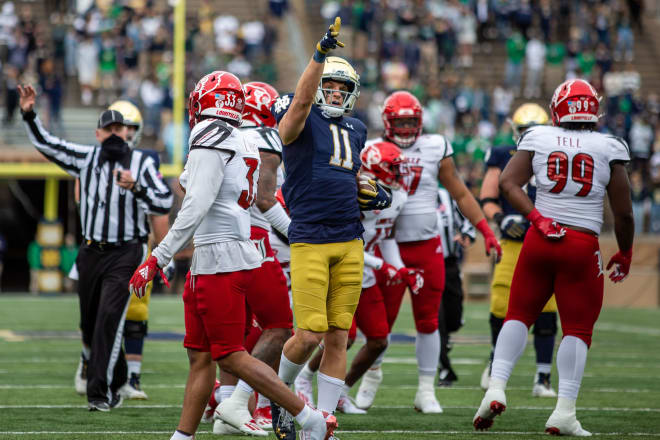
(572,170)
(320,165)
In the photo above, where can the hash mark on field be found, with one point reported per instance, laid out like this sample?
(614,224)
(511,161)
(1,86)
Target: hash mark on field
(524,408)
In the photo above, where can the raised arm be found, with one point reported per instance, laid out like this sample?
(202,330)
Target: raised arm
(67,155)
(293,122)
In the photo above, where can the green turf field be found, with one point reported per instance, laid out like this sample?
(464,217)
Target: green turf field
(39,349)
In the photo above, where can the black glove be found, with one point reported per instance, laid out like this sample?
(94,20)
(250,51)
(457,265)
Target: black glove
(370,200)
(513,225)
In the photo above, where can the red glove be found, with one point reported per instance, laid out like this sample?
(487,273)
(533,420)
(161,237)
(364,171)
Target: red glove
(621,262)
(413,278)
(548,227)
(489,239)
(143,274)
(391,274)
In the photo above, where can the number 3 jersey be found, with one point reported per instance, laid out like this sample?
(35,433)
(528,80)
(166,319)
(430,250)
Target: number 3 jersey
(220,179)
(572,170)
(320,166)
(419,219)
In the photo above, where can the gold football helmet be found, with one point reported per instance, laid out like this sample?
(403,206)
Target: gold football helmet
(338,69)
(132,118)
(528,115)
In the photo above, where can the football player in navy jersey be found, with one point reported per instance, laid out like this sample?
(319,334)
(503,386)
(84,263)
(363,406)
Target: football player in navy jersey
(321,160)
(513,227)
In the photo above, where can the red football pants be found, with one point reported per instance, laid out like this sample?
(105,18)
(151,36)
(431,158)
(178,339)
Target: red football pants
(371,316)
(572,268)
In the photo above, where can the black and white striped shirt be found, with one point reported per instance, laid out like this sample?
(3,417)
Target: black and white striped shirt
(108,212)
(452,222)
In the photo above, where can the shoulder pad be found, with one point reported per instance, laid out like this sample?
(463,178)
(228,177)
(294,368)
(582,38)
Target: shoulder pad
(266,139)
(152,154)
(210,133)
(281,105)
(437,142)
(618,147)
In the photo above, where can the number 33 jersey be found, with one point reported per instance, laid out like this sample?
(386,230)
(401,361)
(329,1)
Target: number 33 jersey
(572,170)
(419,219)
(320,167)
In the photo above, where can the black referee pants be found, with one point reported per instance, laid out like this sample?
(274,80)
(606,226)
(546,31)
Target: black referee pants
(104,296)
(450,315)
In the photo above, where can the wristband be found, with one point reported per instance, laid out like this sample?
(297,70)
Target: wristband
(483,227)
(498,218)
(277,217)
(319,56)
(534,215)
(627,254)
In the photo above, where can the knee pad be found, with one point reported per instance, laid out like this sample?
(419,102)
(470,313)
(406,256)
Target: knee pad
(426,325)
(495,327)
(546,324)
(135,329)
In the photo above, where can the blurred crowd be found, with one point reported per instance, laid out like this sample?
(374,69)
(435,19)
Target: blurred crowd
(124,49)
(471,62)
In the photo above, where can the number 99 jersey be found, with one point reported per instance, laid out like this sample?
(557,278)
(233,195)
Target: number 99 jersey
(320,190)
(572,170)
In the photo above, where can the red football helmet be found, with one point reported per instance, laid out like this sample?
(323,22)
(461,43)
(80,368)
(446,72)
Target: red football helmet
(401,105)
(259,96)
(574,100)
(219,95)
(383,160)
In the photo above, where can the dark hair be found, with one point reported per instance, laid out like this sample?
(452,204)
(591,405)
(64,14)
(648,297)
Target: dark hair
(578,126)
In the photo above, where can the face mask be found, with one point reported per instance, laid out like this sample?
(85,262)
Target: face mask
(114,148)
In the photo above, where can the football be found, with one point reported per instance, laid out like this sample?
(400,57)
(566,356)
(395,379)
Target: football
(366,184)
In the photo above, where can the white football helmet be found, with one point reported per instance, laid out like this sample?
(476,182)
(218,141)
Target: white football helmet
(338,69)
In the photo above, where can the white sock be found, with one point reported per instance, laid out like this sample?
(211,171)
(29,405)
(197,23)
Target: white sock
(510,345)
(329,392)
(344,390)
(425,381)
(180,436)
(244,386)
(379,360)
(565,405)
(303,416)
(288,370)
(571,359)
(306,373)
(263,401)
(225,392)
(86,352)
(427,350)
(134,367)
(544,368)
(217,395)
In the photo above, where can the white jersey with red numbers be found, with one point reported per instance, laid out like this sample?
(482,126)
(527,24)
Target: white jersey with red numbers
(379,225)
(220,179)
(265,139)
(419,219)
(572,170)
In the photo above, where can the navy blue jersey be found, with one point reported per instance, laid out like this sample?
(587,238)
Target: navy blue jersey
(499,157)
(320,166)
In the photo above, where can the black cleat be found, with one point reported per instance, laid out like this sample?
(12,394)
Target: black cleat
(283,426)
(446,377)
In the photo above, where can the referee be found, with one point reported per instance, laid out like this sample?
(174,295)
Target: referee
(457,233)
(114,206)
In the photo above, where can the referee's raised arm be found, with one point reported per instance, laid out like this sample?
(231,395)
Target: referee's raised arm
(69,156)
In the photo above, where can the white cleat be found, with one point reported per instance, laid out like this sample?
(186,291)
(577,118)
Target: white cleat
(368,388)
(492,405)
(239,417)
(426,402)
(542,387)
(221,428)
(128,392)
(80,379)
(346,406)
(565,424)
(304,390)
(485,378)
(321,427)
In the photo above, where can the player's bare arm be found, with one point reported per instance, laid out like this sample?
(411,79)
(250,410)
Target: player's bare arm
(515,175)
(490,192)
(293,121)
(448,176)
(618,192)
(267,183)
